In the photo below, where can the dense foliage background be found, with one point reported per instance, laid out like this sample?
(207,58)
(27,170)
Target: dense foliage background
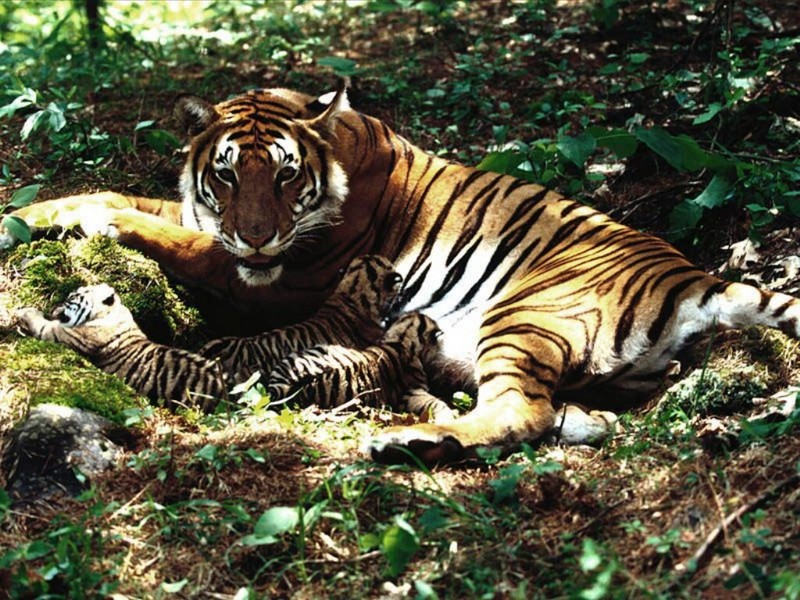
(676,116)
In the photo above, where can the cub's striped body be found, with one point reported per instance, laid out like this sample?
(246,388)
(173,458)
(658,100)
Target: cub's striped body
(94,322)
(390,373)
(534,292)
(352,317)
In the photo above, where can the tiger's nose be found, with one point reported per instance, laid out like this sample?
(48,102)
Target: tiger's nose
(257,241)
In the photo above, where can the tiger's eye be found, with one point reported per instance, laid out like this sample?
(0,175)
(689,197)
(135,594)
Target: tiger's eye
(226,176)
(287,173)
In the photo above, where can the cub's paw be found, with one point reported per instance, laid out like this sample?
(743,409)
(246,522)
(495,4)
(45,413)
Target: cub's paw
(425,442)
(29,319)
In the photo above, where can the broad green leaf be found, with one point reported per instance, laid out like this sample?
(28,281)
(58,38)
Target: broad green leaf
(143,125)
(161,141)
(425,590)
(619,141)
(683,219)
(246,385)
(435,93)
(207,452)
(433,519)
(710,113)
(24,196)
(32,123)
(37,549)
(682,152)
(57,118)
(504,162)
(341,66)
(26,98)
(398,545)
(505,486)
(18,228)
(715,194)
(548,466)
(276,521)
(638,58)
(577,149)
(255,455)
(792,200)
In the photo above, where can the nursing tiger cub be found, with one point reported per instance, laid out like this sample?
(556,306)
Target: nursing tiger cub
(94,322)
(390,373)
(353,317)
(535,292)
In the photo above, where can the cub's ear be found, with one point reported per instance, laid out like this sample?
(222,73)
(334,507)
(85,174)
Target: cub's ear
(107,293)
(337,103)
(194,114)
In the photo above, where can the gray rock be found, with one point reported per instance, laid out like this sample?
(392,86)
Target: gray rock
(56,450)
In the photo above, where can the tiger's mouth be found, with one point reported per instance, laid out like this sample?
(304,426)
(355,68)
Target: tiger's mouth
(259,262)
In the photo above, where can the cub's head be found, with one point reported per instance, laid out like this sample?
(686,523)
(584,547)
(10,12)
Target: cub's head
(372,282)
(92,303)
(418,334)
(260,174)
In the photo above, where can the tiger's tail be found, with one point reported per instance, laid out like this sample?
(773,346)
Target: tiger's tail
(740,305)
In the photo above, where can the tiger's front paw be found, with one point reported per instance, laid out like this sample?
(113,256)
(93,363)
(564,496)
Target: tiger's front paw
(98,221)
(426,442)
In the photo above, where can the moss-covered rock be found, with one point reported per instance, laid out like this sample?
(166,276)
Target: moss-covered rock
(47,372)
(710,392)
(50,270)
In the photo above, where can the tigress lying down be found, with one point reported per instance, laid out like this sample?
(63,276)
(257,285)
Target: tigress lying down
(389,373)
(94,322)
(535,293)
(352,317)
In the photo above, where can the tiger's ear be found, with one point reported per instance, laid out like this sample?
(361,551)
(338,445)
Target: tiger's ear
(337,103)
(194,114)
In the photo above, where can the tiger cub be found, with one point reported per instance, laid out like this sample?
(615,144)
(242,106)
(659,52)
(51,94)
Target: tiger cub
(390,373)
(94,322)
(352,316)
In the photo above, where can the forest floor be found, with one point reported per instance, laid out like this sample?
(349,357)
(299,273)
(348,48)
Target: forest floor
(697,495)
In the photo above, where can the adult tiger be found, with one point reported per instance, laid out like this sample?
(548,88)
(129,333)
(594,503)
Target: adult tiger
(534,292)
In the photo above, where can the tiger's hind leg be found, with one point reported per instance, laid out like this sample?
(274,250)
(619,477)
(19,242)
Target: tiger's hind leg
(517,375)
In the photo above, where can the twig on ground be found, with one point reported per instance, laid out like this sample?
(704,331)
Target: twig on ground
(703,553)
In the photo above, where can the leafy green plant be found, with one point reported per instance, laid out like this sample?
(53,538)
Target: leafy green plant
(14,224)
(63,562)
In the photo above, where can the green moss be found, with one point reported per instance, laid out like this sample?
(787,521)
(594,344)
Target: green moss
(708,391)
(52,269)
(53,373)
(48,274)
(144,289)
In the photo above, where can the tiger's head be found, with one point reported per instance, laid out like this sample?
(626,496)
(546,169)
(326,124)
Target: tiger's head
(374,284)
(418,334)
(92,304)
(261,175)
